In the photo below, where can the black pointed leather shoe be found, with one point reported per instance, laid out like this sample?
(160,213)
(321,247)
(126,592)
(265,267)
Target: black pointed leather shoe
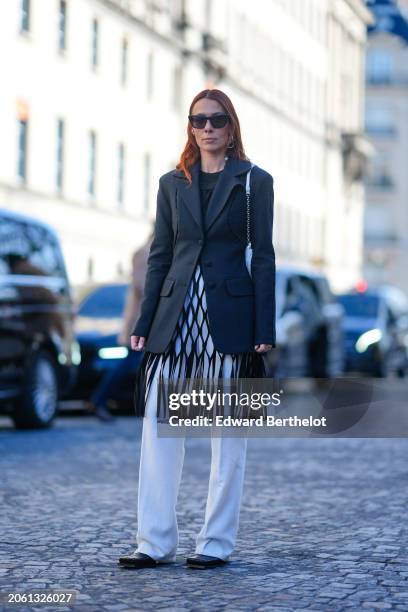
(137,560)
(204,561)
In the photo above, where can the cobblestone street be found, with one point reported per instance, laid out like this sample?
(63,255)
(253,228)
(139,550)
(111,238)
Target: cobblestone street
(322,523)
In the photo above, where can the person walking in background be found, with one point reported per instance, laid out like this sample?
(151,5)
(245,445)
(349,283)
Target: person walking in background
(197,281)
(124,368)
(135,292)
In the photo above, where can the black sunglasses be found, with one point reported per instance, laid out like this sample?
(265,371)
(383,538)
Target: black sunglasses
(217,121)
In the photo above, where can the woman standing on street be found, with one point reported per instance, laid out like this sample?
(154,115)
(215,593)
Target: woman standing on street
(202,316)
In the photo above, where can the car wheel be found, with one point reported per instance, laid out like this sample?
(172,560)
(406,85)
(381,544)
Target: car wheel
(38,403)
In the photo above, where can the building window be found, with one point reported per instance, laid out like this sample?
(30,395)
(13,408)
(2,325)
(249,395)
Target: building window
(150,68)
(177,85)
(92,163)
(379,67)
(379,121)
(95,43)
(121,173)
(25,16)
(146,175)
(22,149)
(124,62)
(380,172)
(59,178)
(62,26)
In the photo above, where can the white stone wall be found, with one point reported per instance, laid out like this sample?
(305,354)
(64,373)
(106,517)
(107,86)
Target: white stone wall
(54,85)
(283,72)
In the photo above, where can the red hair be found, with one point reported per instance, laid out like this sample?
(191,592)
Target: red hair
(191,150)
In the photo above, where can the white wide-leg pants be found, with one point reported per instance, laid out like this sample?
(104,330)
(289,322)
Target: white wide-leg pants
(161,464)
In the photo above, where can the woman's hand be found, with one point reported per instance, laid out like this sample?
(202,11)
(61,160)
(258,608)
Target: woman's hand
(263,348)
(137,343)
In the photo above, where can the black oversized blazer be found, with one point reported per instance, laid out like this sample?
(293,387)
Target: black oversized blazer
(241,310)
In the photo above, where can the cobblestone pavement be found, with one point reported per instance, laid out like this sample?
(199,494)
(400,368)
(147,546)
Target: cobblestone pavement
(322,523)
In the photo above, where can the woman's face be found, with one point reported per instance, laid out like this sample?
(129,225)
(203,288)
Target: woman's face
(220,137)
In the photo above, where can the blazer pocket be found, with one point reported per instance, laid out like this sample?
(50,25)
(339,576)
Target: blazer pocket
(167,287)
(239,286)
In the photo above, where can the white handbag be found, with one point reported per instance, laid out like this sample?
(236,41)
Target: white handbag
(248,249)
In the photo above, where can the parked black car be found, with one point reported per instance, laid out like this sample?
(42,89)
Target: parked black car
(38,352)
(309,325)
(98,323)
(376,331)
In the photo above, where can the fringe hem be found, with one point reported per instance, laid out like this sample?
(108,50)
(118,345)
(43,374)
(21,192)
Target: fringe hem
(244,366)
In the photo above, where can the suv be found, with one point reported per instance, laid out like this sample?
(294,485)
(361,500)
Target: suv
(38,352)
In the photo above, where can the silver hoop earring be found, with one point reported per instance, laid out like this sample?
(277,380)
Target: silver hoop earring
(231,145)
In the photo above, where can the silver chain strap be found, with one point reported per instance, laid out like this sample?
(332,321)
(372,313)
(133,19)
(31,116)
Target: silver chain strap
(248,220)
(248,190)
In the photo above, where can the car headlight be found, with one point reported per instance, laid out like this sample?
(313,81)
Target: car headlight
(113,352)
(367,339)
(75,353)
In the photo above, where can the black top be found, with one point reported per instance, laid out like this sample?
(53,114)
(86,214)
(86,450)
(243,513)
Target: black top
(208,181)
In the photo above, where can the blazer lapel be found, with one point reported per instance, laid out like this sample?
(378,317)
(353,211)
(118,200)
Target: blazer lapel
(223,187)
(190,194)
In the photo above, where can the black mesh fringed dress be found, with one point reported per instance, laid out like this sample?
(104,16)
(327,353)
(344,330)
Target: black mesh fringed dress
(191,353)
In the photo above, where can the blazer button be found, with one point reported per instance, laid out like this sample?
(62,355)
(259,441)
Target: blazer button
(211,284)
(200,242)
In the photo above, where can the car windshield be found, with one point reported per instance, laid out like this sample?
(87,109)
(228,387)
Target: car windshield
(360,305)
(105,302)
